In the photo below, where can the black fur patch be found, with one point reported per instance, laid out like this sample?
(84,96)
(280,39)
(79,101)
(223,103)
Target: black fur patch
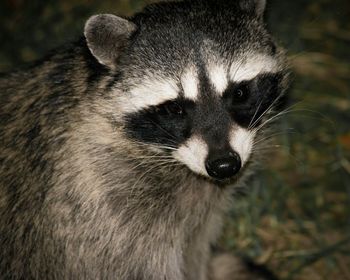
(168,124)
(248,100)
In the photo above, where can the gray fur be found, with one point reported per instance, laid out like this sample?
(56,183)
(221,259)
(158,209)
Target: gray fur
(106,35)
(80,199)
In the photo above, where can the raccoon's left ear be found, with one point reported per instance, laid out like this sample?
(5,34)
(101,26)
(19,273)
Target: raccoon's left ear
(254,6)
(106,36)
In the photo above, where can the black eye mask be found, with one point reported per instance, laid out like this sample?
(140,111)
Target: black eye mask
(248,100)
(171,123)
(167,124)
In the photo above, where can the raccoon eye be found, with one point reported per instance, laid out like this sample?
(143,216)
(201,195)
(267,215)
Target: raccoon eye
(241,94)
(170,108)
(174,108)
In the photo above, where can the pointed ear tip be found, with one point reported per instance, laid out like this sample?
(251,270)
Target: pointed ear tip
(258,6)
(103,19)
(90,23)
(97,18)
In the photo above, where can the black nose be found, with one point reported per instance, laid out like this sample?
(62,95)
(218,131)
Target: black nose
(224,167)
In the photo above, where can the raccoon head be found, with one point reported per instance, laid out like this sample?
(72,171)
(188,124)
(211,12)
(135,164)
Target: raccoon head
(194,80)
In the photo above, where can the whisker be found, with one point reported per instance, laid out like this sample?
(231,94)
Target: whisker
(155,145)
(271,136)
(256,111)
(275,117)
(268,109)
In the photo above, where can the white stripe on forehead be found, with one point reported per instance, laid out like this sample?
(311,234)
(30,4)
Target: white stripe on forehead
(241,70)
(151,92)
(252,66)
(218,77)
(190,83)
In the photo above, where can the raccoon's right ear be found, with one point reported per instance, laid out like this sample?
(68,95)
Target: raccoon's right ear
(106,36)
(254,6)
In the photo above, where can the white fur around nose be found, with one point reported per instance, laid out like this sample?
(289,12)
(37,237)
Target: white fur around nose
(190,83)
(250,67)
(151,92)
(193,154)
(218,77)
(241,141)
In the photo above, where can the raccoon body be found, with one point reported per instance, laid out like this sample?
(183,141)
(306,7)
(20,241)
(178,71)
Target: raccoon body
(120,153)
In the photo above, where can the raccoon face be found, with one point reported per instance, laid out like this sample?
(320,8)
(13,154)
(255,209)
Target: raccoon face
(198,79)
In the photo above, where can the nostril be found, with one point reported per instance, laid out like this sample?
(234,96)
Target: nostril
(225,167)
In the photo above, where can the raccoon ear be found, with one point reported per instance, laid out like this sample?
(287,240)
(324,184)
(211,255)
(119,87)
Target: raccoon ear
(106,36)
(255,6)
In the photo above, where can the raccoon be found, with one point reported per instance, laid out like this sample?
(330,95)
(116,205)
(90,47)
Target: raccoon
(120,152)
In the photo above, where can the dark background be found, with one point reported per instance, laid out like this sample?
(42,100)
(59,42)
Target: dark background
(296,217)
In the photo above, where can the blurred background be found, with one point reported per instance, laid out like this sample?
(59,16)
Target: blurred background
(296,216)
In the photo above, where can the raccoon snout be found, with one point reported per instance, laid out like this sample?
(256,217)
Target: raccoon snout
(223,167)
